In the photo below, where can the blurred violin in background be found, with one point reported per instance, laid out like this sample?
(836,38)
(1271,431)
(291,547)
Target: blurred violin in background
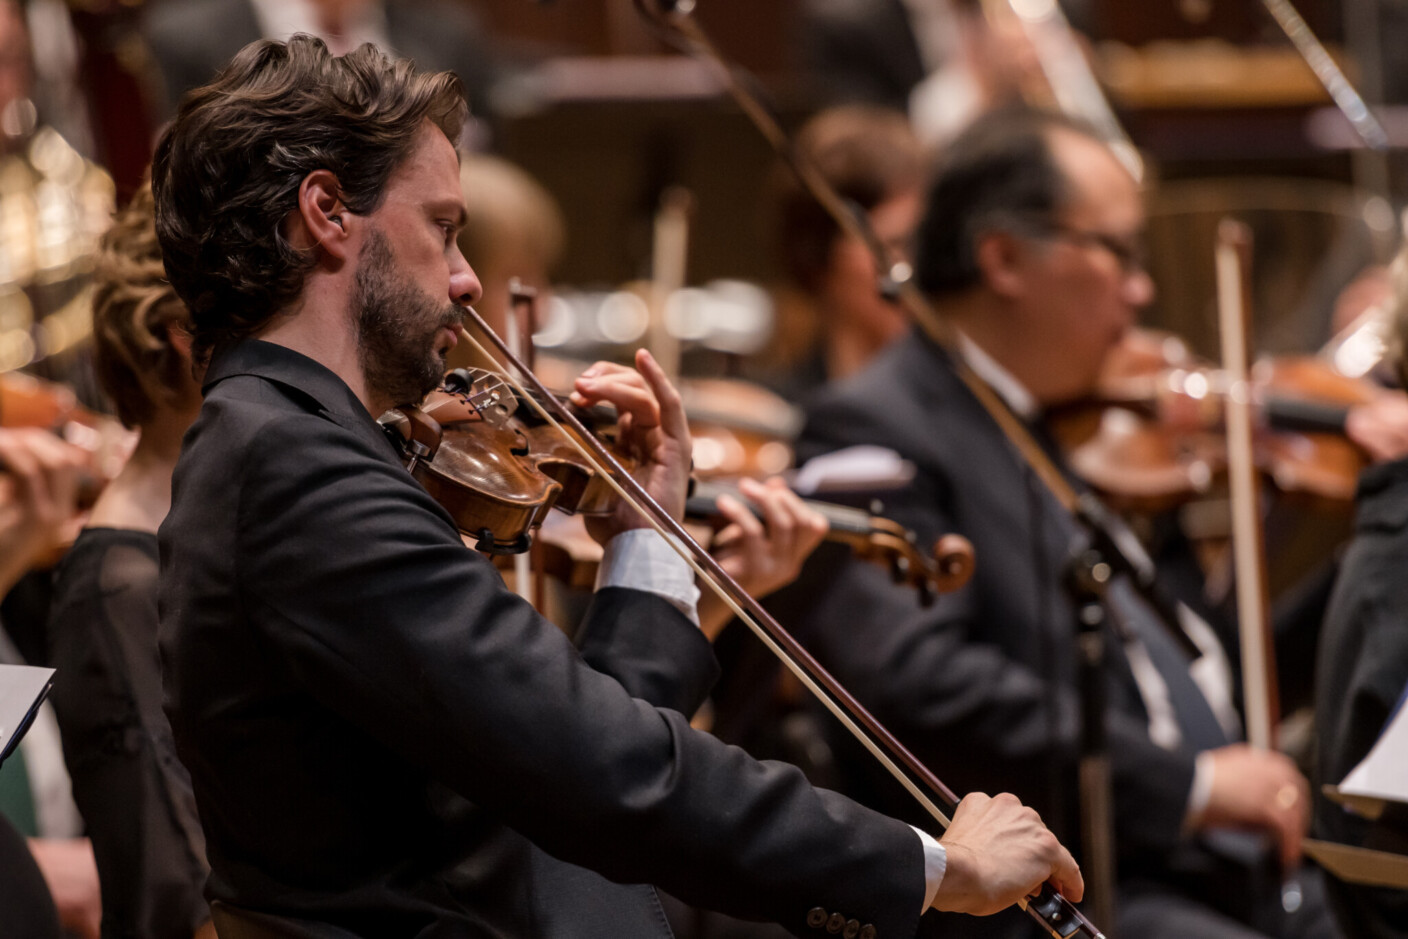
(26,401)
(29,402)
(1150,438)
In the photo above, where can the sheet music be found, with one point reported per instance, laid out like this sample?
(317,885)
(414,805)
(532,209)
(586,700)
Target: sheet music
(1383,774)
(22,689)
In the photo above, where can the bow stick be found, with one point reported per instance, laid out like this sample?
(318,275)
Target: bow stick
(1056,914)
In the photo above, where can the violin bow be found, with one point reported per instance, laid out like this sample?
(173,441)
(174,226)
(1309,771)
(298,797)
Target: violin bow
(1233,262)
(528,581)
(1331,77)
(1056,913)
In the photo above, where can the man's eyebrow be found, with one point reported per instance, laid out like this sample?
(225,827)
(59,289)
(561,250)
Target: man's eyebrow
(455,208)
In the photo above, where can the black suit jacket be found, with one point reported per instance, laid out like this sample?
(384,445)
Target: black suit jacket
(191,40)
(1362,673)
(859,51)
(374,725)
(982,685)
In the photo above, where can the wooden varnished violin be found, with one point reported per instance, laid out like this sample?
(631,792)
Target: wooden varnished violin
(1150,438)
(465,446)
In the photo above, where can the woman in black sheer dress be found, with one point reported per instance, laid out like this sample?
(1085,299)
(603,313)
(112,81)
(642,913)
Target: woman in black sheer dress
(133,793)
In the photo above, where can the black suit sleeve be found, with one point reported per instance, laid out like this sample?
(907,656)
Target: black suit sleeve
(392,623)
(979,718)
(647,645)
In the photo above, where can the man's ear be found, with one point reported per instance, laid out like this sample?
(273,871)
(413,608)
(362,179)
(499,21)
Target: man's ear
(321,219)
(1001,258)
(180,339)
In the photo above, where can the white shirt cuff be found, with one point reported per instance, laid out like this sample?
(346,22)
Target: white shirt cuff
(641,559)
(1200,792)
(935,864)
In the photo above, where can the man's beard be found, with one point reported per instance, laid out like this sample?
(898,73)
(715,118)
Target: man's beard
(396,325)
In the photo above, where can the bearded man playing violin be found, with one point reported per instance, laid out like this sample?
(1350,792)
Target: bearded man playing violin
(1030,246)
(382,740)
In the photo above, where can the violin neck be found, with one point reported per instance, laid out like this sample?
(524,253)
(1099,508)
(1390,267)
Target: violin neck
(847,524)
(1311,417)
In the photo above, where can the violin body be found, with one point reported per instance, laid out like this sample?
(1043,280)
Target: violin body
(26,401)
(1151,438)
(462,445)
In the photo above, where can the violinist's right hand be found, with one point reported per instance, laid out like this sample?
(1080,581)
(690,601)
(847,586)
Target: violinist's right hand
(38,497)
(1257,789)
(998,853)
(652,428)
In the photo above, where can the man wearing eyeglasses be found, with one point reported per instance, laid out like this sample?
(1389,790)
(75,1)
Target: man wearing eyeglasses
(1031,248)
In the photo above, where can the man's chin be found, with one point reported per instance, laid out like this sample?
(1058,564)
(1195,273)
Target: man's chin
(435,373)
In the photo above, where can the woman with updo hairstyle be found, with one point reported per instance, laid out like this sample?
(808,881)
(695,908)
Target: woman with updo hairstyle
(133,792)
(832,319)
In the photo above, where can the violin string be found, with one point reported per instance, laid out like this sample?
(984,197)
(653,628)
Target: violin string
(678,545)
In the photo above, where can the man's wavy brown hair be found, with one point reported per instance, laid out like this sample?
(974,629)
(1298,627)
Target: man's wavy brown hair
(227,171)
(134,311)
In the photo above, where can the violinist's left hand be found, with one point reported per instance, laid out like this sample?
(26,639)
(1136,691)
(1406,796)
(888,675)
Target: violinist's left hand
(1380,427)
(39,476)
(652,428)
(762,555)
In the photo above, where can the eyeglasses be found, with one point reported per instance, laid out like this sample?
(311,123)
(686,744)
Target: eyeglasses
(1128,251)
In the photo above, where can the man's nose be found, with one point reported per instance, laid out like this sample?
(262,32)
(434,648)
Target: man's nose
(465,289)
(1139,289)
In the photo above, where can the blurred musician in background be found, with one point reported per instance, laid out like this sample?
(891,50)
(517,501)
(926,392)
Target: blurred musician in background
(942,62)
(832,318)
(39,483)
(513,230)
(1030,245)
(47,880)
(191,40)
(1362,672)
(134,794)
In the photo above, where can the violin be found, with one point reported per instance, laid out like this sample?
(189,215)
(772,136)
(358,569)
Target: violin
(27,401)
(465,447)
(1150,438)
(497,467)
